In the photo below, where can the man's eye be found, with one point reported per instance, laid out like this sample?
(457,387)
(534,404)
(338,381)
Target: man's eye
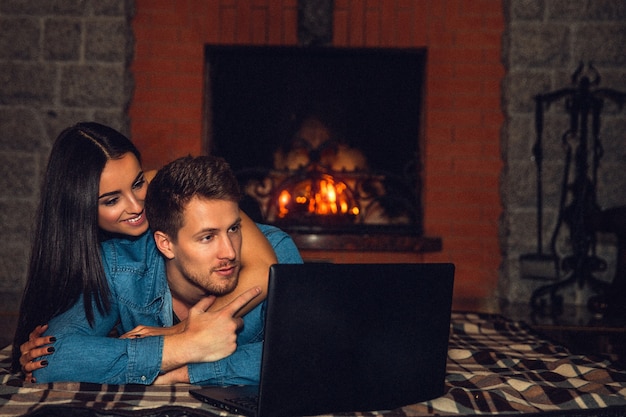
(235,228)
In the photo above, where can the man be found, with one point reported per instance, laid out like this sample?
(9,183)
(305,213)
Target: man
(192,204)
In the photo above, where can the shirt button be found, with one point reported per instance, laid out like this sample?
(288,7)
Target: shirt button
(143,378)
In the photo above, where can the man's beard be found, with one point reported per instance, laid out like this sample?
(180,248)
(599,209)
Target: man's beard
(212,286)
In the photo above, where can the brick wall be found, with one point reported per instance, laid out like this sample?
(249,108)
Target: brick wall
(462,120)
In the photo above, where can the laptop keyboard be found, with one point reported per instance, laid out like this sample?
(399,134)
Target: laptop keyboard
(247,402)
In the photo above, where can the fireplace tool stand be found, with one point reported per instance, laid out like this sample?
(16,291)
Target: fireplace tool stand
(580,215)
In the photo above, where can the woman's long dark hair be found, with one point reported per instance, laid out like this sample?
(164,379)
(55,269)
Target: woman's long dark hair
(65,261)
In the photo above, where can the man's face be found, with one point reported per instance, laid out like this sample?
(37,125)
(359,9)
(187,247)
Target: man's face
(207,252)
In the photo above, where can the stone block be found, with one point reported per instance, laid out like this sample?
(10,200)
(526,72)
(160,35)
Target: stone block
(522,229)
(57,120)
(113,7)
(602,44)
(521,137)
(43,8)
(527,9)
(26,83)
(16,217)
(22,130)
(117,119)
(611,185)
(20,38)
(566,10)
(521,86)
(613,139)
(522,180)
(606,10)
(62,39)
(584,11)
(13,165)
(553,172)
(540,46)
(13,269)
(93,86)
(107,40)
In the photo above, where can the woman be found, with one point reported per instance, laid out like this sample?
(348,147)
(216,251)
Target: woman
(92,192)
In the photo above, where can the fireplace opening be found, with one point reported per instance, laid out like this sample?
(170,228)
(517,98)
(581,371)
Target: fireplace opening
(323,140)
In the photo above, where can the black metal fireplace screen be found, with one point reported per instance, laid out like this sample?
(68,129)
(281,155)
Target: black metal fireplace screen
(314,197)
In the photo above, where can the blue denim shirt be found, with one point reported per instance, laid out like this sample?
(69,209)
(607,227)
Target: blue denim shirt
(140,295)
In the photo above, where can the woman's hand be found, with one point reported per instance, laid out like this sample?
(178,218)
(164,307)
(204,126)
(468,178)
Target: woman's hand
(144,331)
(36,346)
(176,376)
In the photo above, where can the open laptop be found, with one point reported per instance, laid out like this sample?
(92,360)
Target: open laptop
(347,337)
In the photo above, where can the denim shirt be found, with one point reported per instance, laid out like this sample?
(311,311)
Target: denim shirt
(140,295)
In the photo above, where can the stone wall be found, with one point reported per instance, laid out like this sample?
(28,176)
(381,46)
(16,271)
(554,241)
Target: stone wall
(61,62)
(543,44)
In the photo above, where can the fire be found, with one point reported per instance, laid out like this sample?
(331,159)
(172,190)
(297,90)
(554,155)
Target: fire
(321,195)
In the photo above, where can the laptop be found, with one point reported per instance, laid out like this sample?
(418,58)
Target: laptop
(347,337)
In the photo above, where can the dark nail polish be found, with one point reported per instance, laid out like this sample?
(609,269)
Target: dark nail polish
(32,380)
(51,349)
(53,339)
(44,363)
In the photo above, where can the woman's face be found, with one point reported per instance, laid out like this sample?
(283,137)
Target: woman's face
(121,197)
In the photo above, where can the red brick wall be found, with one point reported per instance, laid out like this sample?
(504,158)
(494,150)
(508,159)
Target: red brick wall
(463,114)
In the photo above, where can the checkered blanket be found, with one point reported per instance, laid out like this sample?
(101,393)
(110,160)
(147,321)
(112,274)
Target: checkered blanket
(495,366)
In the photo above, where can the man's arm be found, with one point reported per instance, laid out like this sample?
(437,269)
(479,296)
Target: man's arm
(85,353)
(242,367)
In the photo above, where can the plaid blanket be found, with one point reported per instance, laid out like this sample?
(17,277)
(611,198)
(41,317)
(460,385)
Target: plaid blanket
(495,366)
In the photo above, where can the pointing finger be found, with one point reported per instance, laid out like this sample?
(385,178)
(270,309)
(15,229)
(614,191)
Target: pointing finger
(234,306)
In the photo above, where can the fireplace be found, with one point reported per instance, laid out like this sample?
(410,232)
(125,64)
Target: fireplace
(325,141)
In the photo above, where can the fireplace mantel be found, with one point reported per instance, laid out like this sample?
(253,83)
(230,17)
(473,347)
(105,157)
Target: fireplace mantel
(364,242)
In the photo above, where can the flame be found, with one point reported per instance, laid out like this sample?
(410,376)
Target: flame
(322,195)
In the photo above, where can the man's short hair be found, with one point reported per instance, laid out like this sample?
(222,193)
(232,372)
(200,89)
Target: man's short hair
(179,181)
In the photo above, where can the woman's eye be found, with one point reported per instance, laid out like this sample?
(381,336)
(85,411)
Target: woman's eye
(139,184)
(110,202)
(235,228)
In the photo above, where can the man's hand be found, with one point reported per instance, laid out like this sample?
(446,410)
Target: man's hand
(208,335)
(36,346)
